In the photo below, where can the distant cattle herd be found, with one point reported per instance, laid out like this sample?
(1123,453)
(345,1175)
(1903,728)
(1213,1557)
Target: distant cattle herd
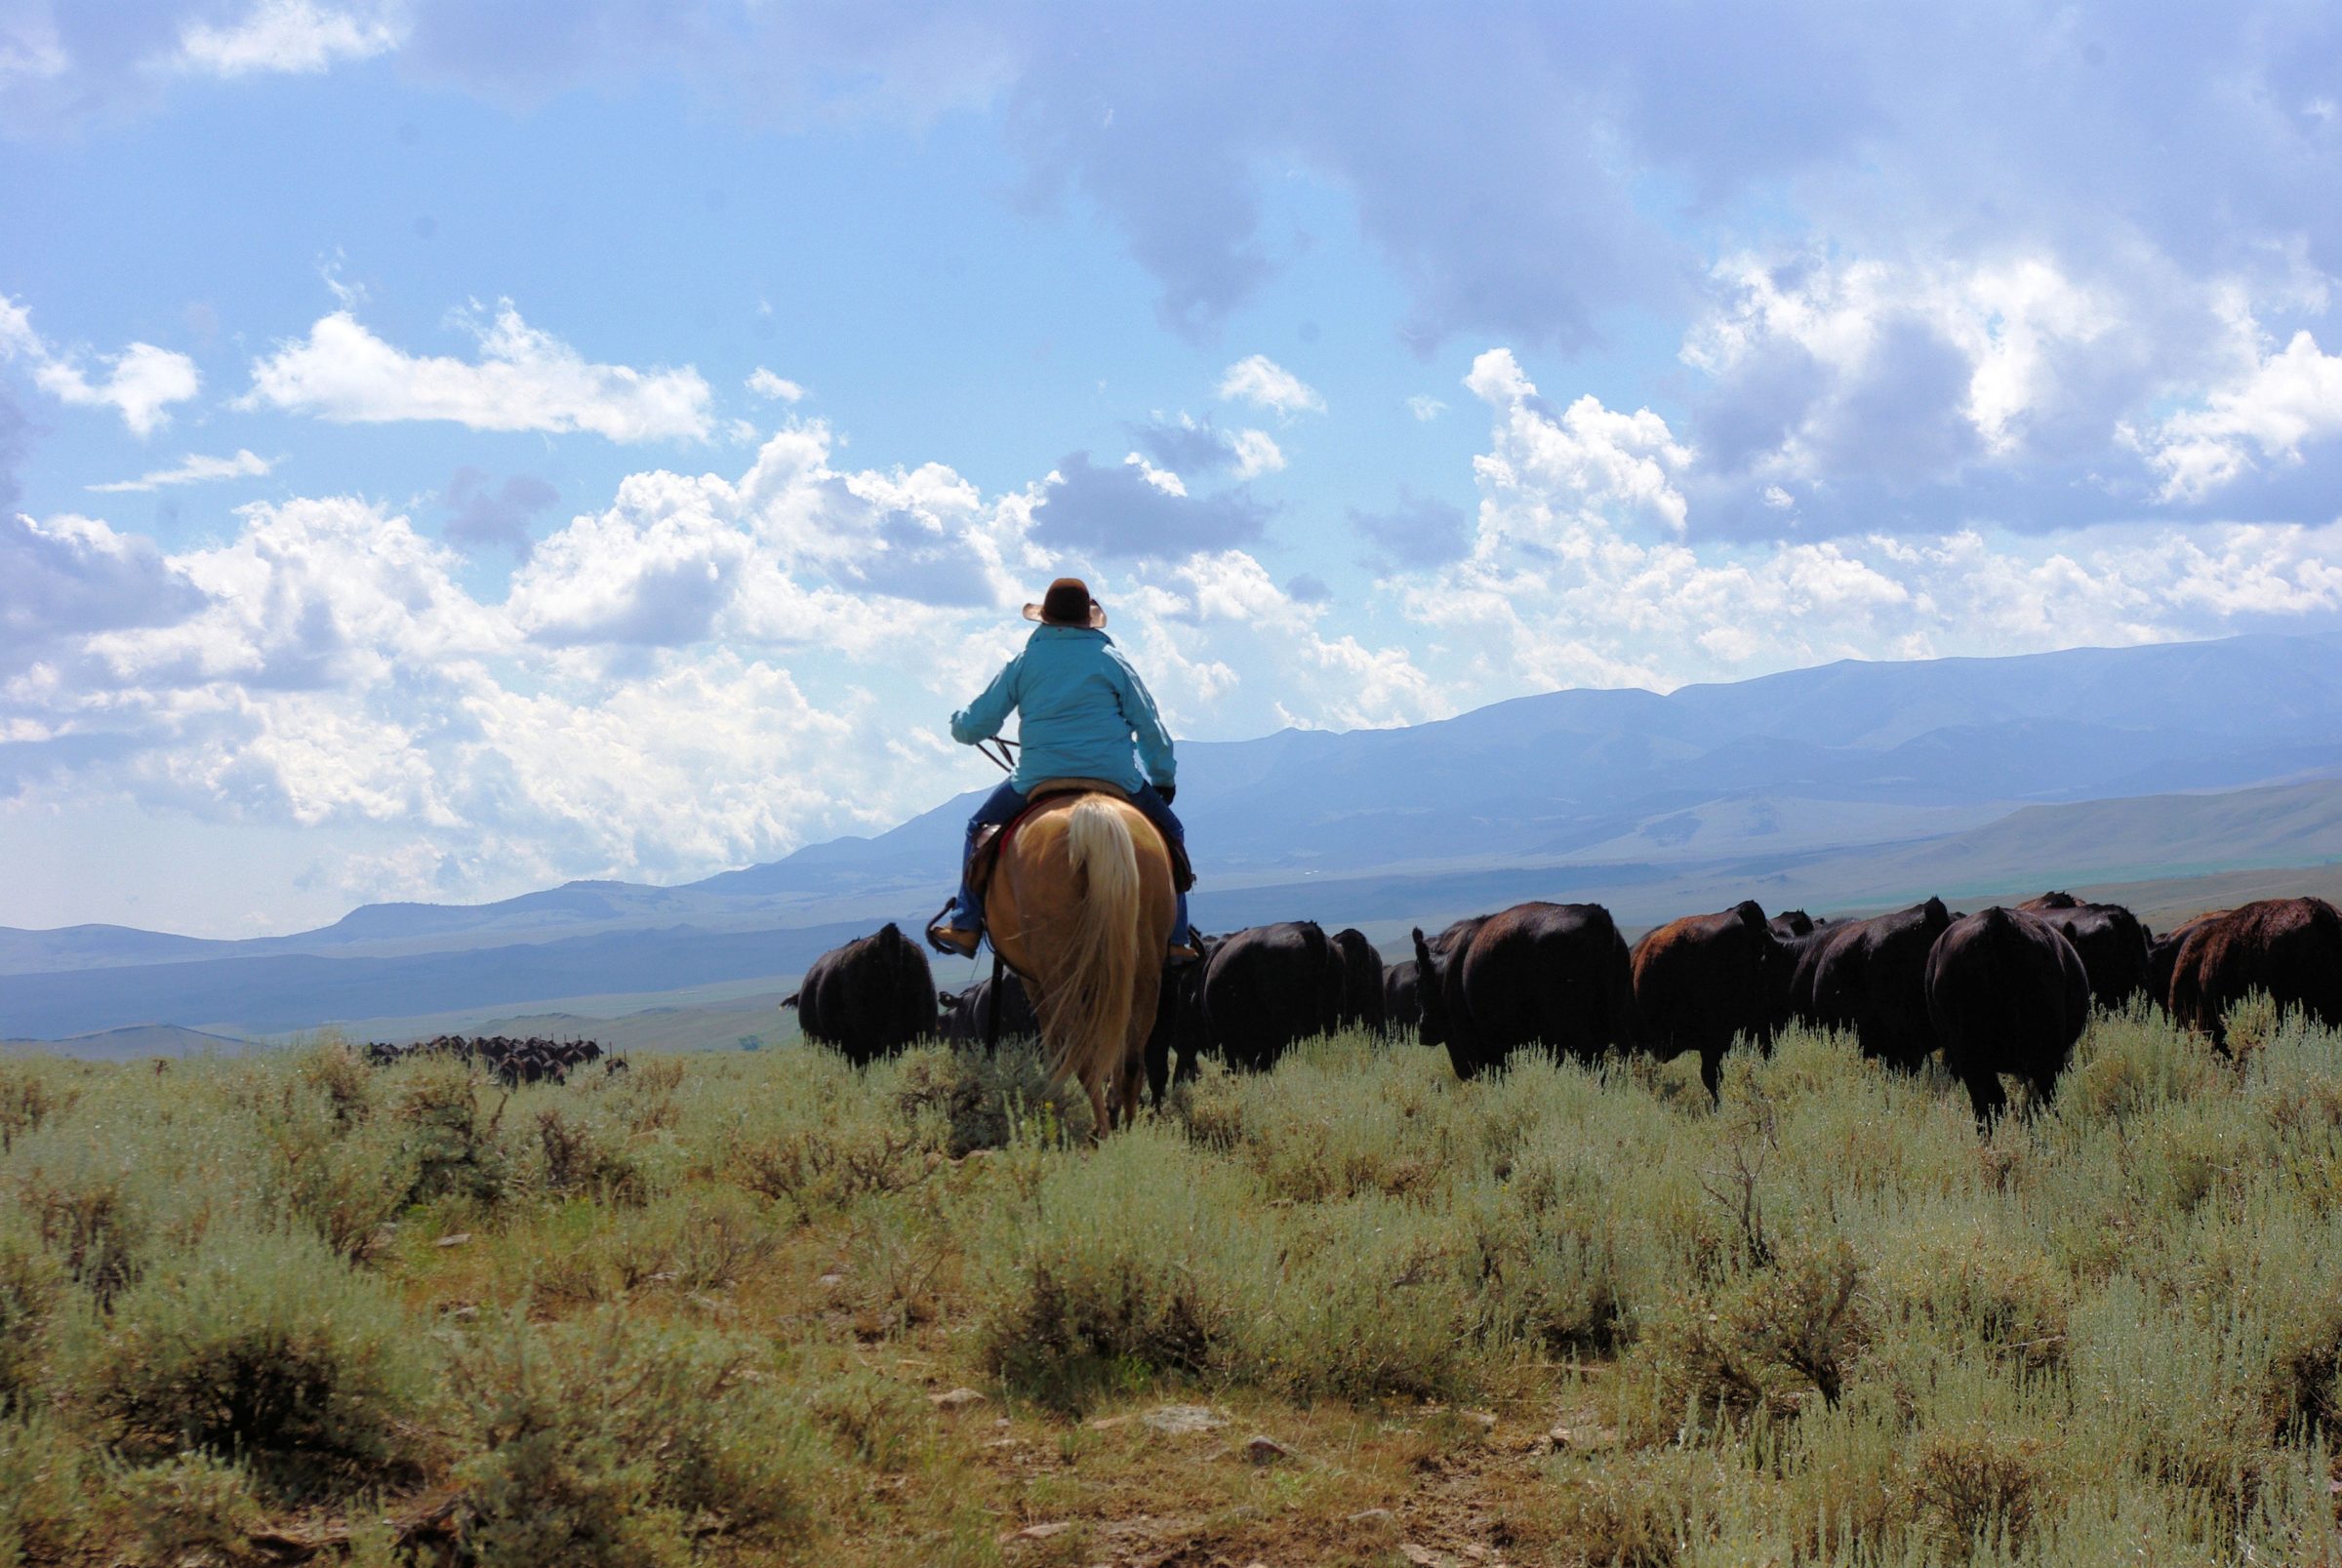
(510,1061)
(2003,991)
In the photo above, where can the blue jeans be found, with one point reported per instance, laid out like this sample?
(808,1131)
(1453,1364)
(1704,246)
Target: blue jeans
(1003,804)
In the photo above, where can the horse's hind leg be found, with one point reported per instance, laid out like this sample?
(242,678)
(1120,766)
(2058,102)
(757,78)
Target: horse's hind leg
(1129,1082)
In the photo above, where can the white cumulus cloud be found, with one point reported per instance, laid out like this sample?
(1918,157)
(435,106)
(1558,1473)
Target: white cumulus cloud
(1257,454)
(140,383)
(296,37)
(764,384)
(1265,384)
(2286,401)
(524,379)
(1592,458)
(1563,588)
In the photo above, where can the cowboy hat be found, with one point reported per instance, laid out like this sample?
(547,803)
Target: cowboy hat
(1067,603)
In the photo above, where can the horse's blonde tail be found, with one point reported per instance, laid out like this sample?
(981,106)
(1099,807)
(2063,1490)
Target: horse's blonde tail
(1088,1022)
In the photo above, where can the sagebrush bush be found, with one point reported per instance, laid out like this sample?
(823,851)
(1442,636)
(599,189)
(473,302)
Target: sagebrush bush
(192,1510)
(1543,1254)
(816,1165)
(32,1283)
(2128,1064)
(1844,1481)
(1762,1340)
(342,1176)
(571,1255)
(1977,1485)
(1145,1257)
(899,1260)
(696,1241)
(875,1420)
(610,1444)
(1314,1136)
(980,1100)
(45,1487)
(345,1081)
(82,1203)
(267,1349)
(1643,1513)
(1951,1277)
(453,1133)
(577,1155)
(30,1093)
(650,1092)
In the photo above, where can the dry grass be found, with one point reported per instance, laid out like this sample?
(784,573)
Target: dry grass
(765,1309)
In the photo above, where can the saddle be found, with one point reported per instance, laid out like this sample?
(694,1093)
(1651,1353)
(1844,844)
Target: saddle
(984,859)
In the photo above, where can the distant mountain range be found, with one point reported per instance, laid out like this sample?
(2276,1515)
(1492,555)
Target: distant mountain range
(138,1042)
(1850,783)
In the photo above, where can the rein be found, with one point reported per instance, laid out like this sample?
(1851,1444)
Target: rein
(1005,759)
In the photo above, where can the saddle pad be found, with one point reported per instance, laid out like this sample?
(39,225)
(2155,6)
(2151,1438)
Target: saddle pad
(990,843)
(1063,787)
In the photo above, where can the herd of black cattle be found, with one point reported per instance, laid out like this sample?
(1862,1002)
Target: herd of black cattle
(2005,991)
(511,1062)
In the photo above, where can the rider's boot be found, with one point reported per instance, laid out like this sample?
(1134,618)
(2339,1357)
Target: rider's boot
(945,933)
(1184,949)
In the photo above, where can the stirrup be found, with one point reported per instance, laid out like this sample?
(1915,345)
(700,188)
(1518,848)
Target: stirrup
(957,939)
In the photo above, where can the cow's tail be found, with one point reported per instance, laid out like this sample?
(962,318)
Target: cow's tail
(1089,1019)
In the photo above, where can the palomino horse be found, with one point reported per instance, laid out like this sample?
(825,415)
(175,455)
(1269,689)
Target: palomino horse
(1081,907)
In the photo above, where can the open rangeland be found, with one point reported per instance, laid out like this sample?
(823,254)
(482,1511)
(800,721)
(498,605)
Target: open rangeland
(765,1308)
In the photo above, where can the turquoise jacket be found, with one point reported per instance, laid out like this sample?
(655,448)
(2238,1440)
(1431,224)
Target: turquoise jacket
(1082,705)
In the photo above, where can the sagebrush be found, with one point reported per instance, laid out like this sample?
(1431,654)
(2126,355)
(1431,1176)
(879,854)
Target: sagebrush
(731,1308)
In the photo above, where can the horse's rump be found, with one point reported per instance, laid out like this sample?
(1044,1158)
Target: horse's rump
(1075,911)
(1089,1005)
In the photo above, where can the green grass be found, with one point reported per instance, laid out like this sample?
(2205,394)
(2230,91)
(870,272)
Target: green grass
(698,1312)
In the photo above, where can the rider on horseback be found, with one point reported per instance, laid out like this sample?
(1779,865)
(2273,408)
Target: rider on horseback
(1082,707)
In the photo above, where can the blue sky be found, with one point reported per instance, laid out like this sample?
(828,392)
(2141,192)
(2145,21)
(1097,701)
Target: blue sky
(445,450)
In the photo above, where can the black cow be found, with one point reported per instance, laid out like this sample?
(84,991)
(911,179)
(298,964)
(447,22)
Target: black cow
(1704,978)
(1179,1023)
(1551,974)
(1804,954)
(1871,976)
(2006,992)
(965,1018)
(2110,939)
(1266,988)
(1430,978)
(1431,1025)
(869,998)
(2162,954)
(2291,948)
(1791,924)
(1360,981)
(1402,1009)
